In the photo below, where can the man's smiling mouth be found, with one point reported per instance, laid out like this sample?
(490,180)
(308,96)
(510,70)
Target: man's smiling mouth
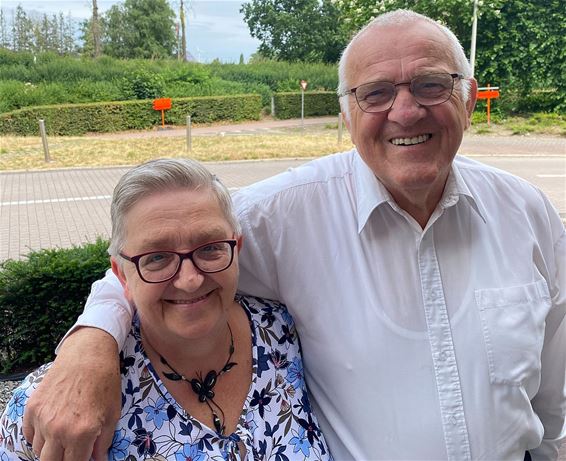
(411,141)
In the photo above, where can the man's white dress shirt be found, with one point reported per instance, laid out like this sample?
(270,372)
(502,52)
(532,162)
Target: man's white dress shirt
(442,343)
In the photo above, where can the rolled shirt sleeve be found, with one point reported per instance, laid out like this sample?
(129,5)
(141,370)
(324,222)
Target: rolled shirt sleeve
(107,309)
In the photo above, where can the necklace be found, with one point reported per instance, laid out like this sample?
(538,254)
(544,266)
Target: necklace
(204,387)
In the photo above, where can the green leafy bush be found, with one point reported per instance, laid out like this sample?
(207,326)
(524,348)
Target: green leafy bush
(75,79)
(40,298)
(288,105)
(78,119)
(143,85)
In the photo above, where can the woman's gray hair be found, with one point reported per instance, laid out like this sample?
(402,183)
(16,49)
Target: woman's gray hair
(163,175)
(401,17)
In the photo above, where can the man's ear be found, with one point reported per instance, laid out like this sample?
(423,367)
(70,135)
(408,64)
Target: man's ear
(118,271)
(346,119)
(472,98)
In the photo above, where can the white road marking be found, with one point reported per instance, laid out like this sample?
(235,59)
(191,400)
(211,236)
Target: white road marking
(72,199)
(57,200)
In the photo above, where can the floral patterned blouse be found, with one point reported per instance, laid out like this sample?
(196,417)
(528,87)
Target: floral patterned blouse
(277,422)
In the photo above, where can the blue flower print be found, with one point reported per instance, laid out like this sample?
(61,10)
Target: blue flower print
(301,442)
(190,453)
(144,442)
(311,428)
(262,361)
(261,400)
(288,335)
(17,404)
(287,319)
(304,405)
(157,413)
(126,363)
(119,448)
(295,373)
(249,423)
(279,360)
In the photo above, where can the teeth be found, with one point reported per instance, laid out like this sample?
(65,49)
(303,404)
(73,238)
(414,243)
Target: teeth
(410,141)
(187,301)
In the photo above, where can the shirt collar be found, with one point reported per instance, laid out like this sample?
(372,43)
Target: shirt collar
(371,193)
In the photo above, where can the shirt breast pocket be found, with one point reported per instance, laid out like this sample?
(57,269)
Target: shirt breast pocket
(513,322)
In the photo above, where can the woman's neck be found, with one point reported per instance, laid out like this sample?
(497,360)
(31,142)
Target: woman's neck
(191,356)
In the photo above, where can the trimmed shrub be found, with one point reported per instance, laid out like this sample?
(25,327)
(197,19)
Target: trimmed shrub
(288,105)
(78,119)
(41,297)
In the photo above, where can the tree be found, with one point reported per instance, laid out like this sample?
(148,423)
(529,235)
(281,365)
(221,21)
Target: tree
(140,29)
(183,54)
(22,31)
(296,30)
(95,29)
(4,32)
(520,43)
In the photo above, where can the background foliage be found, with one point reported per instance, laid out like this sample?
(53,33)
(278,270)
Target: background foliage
(296,30)
(78,119)
(521,44)
(288,105)
(40,298)
(51,79)
(521,47)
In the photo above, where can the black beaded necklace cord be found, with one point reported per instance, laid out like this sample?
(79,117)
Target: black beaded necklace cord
(204,387)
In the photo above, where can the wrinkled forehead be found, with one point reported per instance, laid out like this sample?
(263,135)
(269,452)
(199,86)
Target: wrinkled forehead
(394,51)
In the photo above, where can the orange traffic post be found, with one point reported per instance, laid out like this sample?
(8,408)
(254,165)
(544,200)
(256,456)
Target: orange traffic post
(489,93)
(162,104)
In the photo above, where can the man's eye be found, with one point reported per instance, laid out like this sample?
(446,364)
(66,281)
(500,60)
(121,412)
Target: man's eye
(376,94)
(431,87)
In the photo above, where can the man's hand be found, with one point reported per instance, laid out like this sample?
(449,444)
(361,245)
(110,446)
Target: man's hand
(72,414)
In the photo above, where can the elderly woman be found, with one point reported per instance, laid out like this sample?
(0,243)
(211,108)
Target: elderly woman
(206,373)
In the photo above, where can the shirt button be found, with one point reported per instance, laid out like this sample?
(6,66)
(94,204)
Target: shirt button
(453,420)
(443,356)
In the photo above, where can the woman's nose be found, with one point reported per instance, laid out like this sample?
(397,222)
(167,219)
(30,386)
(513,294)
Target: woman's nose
(188,278)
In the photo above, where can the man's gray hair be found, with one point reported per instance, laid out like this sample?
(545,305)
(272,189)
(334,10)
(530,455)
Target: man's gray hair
(402,17)
(163,175)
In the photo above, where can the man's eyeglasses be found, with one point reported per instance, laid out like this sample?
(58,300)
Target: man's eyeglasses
(161,266)
(428,90)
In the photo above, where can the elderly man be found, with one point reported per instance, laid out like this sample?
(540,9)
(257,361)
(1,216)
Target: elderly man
(429,290)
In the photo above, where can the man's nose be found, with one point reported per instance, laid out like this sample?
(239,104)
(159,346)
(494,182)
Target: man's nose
(189,277)
(405,111)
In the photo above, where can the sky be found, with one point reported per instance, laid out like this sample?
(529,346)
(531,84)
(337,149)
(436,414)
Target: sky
(216,28)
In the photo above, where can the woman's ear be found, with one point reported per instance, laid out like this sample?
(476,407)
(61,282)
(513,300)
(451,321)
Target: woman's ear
(240,243)
(119,272)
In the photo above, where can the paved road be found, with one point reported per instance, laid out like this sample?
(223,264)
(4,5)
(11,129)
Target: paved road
(45,209)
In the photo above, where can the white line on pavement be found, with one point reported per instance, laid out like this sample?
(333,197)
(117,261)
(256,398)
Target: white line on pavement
(71,199)
(57,200)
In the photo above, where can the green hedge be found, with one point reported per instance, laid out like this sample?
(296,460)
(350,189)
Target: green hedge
(288,105)
(78,119)
(41,297)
